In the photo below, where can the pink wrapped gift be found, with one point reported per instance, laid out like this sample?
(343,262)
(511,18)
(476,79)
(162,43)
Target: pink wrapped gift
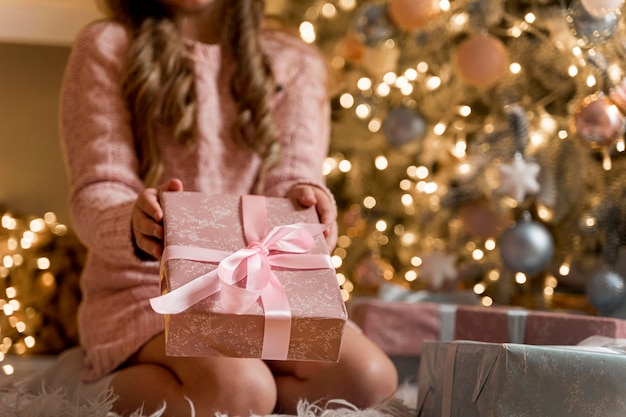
(400,328)
(532,327)
(247,277)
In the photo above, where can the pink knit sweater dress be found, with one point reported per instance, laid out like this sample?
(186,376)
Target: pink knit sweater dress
(115,317)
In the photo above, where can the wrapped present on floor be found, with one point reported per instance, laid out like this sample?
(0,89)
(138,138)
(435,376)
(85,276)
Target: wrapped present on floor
(478,379)
(247,277)
(400,328)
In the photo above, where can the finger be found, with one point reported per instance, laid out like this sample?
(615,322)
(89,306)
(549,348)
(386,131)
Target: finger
(307,196)
(330,236)
(148,235)
(326,214)
(325,211)
(149,228)
(303,194)
(151,246)
(148,204)
(172,185)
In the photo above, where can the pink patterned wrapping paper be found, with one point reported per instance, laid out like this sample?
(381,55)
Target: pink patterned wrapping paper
(209,327)
(400,328)
(492,324)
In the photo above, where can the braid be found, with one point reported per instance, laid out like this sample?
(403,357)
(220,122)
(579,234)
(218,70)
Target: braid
(253,87)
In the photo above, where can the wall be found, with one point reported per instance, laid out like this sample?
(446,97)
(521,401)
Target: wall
(32,174)
(44,22)
(35,40)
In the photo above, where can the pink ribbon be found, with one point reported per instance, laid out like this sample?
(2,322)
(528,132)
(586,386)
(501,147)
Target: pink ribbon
(242,277)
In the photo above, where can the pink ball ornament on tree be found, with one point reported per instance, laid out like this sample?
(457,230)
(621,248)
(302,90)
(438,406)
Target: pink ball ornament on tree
(413,14)
(598,122)
(484,221)
(371,272)
(481,60)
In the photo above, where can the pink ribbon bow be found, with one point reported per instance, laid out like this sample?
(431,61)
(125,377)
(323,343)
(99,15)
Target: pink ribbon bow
(242,277)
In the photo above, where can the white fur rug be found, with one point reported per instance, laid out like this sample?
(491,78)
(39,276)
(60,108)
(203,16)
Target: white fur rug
(15,403)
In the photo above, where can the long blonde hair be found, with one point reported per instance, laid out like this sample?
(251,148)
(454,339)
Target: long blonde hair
(159,82)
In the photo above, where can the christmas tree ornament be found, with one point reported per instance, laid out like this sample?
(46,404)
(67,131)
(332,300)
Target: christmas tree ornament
(519,178)
(481,60)
(590,28)
(598,122)
(371,272)
(372,25)
(526,247)
(438,268)
(403,125)
(598,8)
(413,14)
(606,291)
(350,48)
(482,220)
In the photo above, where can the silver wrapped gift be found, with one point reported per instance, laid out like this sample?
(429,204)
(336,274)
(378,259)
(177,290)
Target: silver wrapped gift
(467,379)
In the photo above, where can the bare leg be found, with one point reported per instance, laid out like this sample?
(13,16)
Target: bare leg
(237,387)
(363,376)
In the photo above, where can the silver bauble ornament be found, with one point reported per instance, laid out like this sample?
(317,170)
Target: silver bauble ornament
(403,125)
(372,24)
(527,247)
(606,291)
(589,28)
(598,8)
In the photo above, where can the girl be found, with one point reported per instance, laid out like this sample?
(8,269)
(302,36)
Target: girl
(169,94)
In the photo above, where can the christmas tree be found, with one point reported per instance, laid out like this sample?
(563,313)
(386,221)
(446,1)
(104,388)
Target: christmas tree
(477,144)
(41,261)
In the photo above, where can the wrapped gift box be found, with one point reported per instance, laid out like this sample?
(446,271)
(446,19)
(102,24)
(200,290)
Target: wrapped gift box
(400,328)
(219,296)
(472,379)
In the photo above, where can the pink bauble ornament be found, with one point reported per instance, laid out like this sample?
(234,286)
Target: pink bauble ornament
(481,219)
(598,122)
(370,273)
(413,14)
(481,60)
(350,48)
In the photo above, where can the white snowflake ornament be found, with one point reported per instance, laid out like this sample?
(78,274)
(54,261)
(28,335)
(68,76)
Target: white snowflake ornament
(438,267)
(519,178)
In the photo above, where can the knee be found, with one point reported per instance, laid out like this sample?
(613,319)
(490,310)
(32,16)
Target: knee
(248,388)
(368,370)
(378,378)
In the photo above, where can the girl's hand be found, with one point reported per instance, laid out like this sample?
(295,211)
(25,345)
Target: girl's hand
(307,196)
(147,220)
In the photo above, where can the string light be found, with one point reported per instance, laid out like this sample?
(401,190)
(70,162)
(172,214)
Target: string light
(32,255)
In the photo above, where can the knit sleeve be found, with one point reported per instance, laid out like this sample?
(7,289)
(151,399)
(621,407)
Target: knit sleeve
(303,116)
(97,143)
